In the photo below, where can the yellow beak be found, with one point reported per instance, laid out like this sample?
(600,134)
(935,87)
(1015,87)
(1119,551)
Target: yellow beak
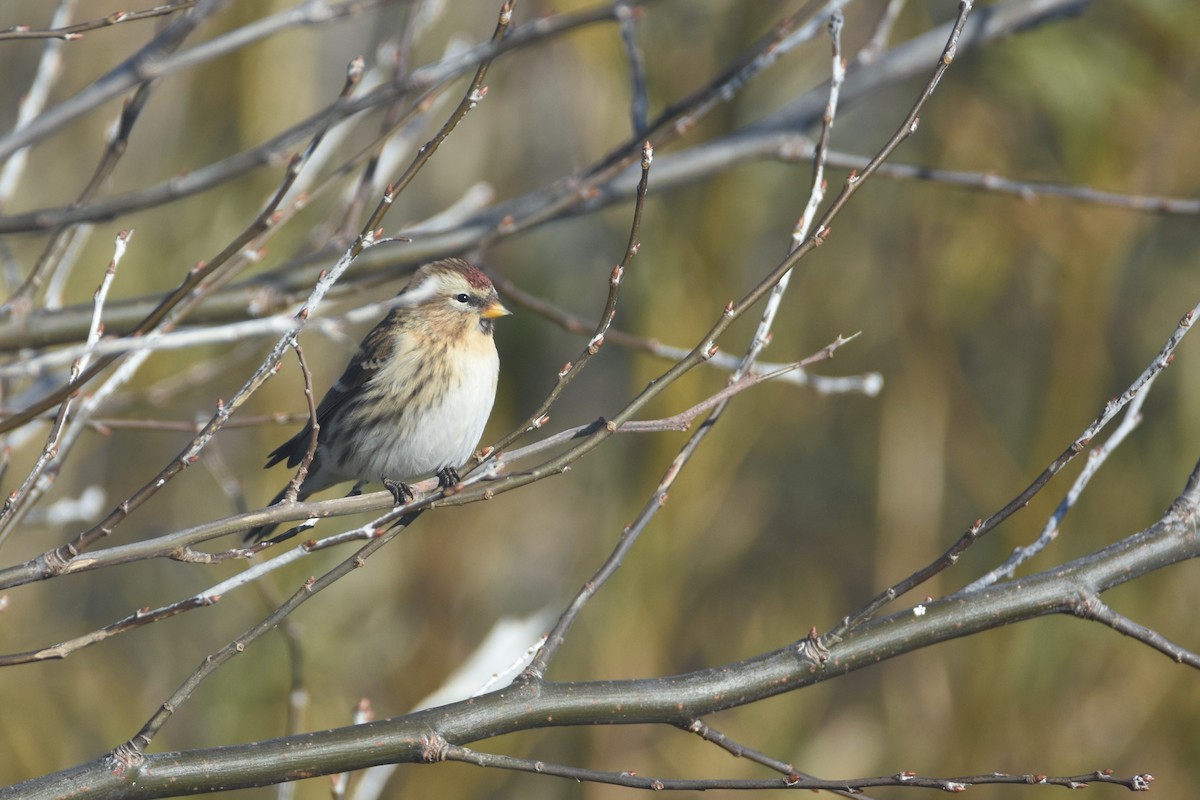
(494,309)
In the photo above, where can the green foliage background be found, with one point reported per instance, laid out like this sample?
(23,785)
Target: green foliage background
(1000,325)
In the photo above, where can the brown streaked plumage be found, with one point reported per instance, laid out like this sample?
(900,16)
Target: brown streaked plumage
(415,398)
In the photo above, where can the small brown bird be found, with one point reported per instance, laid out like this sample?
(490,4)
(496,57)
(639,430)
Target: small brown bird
(414,399)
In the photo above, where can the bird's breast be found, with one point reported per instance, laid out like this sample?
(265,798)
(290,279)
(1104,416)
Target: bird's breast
(445,398)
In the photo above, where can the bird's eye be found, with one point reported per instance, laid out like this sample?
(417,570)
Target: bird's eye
(463,298)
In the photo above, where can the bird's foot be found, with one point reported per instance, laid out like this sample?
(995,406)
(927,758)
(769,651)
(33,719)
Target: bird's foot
(447,477)
(401,492)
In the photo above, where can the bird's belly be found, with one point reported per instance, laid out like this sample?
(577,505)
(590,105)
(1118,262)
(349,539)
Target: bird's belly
(443,434)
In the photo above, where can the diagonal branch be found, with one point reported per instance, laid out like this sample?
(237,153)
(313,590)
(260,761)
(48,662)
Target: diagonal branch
(982,527)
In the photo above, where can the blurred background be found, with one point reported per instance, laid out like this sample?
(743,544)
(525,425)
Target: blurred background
(1000,325)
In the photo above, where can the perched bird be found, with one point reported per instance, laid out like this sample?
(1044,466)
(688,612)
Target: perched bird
(414,399)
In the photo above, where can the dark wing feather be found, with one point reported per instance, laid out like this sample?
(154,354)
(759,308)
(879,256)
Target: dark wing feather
(374,351)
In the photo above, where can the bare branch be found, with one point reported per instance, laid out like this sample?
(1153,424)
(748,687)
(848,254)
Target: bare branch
(55,449)
(1093,608)
(565,375)
(73,33)
(982,527)
(1096,459)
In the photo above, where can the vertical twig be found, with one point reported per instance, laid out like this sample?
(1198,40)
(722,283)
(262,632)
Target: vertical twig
(418,17)
(571,369)
(310,401)
(554,640)
(883,31)
(816,194)
(39,478)
(639,101)
(630,534)
(34,101)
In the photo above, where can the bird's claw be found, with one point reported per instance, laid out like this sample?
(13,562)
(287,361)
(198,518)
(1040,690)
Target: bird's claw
(447,477)
(401,492)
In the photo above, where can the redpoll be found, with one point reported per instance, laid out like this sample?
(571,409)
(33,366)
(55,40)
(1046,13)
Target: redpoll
(414,399)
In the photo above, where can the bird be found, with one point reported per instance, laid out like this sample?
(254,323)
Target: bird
(414,399)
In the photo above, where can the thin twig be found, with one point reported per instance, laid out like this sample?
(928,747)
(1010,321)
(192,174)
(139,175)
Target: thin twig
(983,526)
(68,238)
(176,426)
(816,195)
(310,401)
(163,314)
(42,473)
(73,33)
(203,271)
(738,750)
(883,31)
(1028,190)
(34,101)
(137,619)
(1096,459)
(1091,607)
(570,370)
(445,751)
(639,101)
(869,384)
(630,534)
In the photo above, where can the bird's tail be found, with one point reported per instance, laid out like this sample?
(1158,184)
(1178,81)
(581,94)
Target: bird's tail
(260,532)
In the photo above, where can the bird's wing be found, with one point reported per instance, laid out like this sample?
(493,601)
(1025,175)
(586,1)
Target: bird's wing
(378,343)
